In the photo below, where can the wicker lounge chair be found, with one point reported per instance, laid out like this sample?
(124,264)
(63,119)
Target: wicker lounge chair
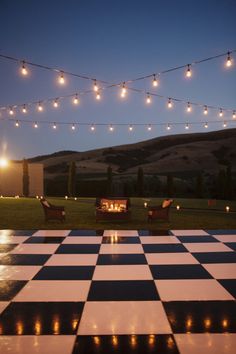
(53,212)
(160,211)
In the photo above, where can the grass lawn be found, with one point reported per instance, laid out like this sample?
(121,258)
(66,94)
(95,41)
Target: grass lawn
(27,213)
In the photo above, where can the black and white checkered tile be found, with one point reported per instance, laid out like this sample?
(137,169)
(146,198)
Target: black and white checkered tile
(135,291)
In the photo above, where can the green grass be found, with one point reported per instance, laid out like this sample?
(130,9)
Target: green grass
(27,213)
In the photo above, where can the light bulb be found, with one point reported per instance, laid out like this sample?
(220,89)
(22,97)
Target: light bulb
(205,110)
(123,90)
(189,108)
(24,70)
(206,125)
(168,126)
(130,128)
(3,163)
(17,124)
(76,99)
(154,81)
(11,112)
(111,128)
(92,127)
(234,115)
(98,96)
(24,110)
(35,125)
(169,104)
(61,78)
(40,107)
(95,86)
(186,126)
(220,113)
(54,126)
(224,125)
(228,61)
(55,103)
(73,127)
(149,127)
(188,71)
(148,99)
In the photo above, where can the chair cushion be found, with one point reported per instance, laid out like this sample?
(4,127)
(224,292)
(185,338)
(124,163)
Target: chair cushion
(45,202)
(166,203)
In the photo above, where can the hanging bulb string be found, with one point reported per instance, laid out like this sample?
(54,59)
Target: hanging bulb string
(85,77)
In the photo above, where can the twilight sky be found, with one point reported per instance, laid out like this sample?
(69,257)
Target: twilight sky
(113,41)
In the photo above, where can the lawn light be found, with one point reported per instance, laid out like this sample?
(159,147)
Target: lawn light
(145,204)
(37,197)
(66,197)
(178,207)
(227,208)
(75,198)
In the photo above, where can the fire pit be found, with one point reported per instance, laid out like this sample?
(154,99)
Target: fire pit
(112,209)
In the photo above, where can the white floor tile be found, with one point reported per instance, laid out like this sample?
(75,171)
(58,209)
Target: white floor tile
(210,343)
(122,272)
(3,305)
(225,238)
(159,239)
(121,248)
(44,290)
(18,272)
(189,232)
(171,258)
(191,290)
(207,247)
(12,239)
(37,344)
(51,233)
(124,317)
(120,233)
(222,270)
(82,240)
(72,259)
(35,248)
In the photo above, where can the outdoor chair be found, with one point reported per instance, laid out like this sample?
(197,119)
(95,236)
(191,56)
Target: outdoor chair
(53,212)
(160,211)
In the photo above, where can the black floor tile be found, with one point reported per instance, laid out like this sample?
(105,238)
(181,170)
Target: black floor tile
(120,239)
(135,290)
(215,257)
(106,259)
(86,232)
(179,271)
(7,248)
(164,248)
(9,288)
(44,318)
(24,259)
(39,239)
(153,232)
(229,285)
(126,344)
(222,232)
(78,249)
(232,245)
(197,239)
(201,316)
(65,273)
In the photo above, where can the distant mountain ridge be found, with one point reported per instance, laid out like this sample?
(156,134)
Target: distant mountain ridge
(168,154)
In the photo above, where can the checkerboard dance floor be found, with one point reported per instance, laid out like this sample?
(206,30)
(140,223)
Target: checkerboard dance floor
(139,291)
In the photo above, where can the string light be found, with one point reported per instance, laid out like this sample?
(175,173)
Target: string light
(189,107)
(76,99)
(228,61)
(17,124)
(24,71)
(123,90)
(148,98)
(188,71)
(131,128)
(149,127)
(40,107)
(95,86)
(61,78)
(186,126)
(234,115)
(11,112)
(73,127)
(224,125)
(169,104)
(205,110)
(35,125)
(111,128)
(220,113)
(168,126)
(54,126)
(206,125)
(92,128)
(154,81)
(98,96)
(24,110)
(56,103)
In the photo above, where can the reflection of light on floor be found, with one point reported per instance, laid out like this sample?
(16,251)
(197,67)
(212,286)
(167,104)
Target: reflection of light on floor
(74,323)
(225,323)
(115,340)
(37,327)
(96,340)
(151,339)
(170,343)
(56,325)
(1,329)
(189,323)
(133,340)
(207,323)
(19,327)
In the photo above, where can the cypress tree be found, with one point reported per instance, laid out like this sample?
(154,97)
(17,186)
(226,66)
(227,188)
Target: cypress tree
(170,185)
(72,179)
(140,182)
(109,181)
(25,168)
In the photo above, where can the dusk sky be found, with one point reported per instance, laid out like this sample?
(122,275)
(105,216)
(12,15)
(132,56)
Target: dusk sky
(112,41)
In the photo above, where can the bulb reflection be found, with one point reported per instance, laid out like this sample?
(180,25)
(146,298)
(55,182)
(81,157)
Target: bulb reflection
(96,340)
(56,325)
(19,327)
(133,340)
(207,323)
(151,339)
(38,327)
(170,343)
(115,340)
